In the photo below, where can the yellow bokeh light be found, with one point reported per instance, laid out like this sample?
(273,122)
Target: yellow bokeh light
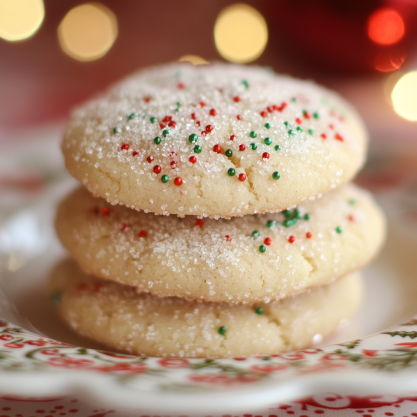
(404,96)
(240,33)
(20,19)
(193,59)
(88,31)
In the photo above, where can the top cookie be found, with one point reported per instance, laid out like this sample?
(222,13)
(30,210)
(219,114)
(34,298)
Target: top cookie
(219,140)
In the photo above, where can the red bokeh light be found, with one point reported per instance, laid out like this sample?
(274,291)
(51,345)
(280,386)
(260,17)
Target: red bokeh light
(385,26)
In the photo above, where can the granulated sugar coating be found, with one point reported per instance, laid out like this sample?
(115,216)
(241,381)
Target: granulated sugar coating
(172,327)
(256,258)
(220,140)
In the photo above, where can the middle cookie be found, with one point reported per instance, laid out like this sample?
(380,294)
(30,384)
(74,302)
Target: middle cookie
(256,258)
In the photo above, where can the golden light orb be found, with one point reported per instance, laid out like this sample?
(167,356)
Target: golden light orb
(404,96)
(240,33)
(20,19)
(88,31)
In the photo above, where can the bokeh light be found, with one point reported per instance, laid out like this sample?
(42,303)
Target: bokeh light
(240,33)
(387,61)
(385,26)
(20,19)
(404,96)
(88,31)
(193,59)
(389,84)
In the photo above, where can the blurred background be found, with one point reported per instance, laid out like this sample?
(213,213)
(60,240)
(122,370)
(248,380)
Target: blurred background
(55,54)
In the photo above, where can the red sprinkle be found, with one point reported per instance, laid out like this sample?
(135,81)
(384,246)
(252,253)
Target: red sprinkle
(282,107)
(173,164)
(142,233)
(124,225)
(105,211)
(213,112)
(306,115)
(324,136)
(149,159)
(209,128)
(228,238)
(217,148)
(309,235)
(172,124)
(242,177)
(242,147)
(203,133)
(268,241)
(167,119)
(331,126)
(147,99)
(157,169)
(291,239)
(193,116)
(264,113)
(232,137)
(173,154)
(161,125)
(202,104)
(125,147)
(265,155)
(236,99)
(181,86)
(351,218)
(178,181)
(298,120)
(199,223)
(270,109)
(338,137)
(192,159)
(134,153)
(198,123)
(239,117)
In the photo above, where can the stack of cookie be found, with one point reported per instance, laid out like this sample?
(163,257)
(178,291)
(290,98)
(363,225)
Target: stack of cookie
(215,219)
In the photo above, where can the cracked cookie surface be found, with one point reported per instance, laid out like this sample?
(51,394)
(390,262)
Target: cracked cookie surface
(137,323)
(220,141)
(256,258)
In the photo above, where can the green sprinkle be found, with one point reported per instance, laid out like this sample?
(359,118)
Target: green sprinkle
(228,153)
(178,106)
(271,223)
(266,358)
(267,125)
(222,330)
(165,132)
(294,99)
(231,172)
(262,248)
(300,129)
(56,297)
(245,83)
(117,130)
(254,146)
(197,149)
(307,216)
(164,178)
(352,202)
(287,124)
(316,115)
(297,214)
(287,213)
(291,132)
(259,310)
(255,234)
(192,138)
(289,222)
(131,116)
(339,229)
(276,175)
(305,112)
(310,131)
(267,141)
(277,147)
(253,134)
(157,140)
(153,119)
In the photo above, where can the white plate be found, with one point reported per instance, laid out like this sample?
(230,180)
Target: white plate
(32,363)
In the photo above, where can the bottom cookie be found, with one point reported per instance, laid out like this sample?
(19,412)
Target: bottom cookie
(126,320)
